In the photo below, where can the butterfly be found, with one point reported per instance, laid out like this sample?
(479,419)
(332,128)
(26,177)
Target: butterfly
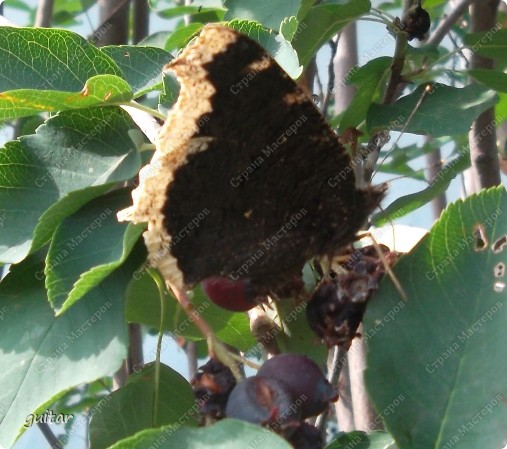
(248,181)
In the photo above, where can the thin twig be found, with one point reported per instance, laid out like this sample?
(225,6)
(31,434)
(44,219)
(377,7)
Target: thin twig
(397,65)
(190,349)
(215,347)
(331,77)
(395,80)
(49,435)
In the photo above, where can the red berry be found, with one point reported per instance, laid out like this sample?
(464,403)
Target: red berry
(237,296)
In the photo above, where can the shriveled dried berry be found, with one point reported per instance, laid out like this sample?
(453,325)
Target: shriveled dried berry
(416,22)
(212,386)
(337,305)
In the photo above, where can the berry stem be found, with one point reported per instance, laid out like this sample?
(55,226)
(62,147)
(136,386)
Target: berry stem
(162,295)
(215,347)
(335,367)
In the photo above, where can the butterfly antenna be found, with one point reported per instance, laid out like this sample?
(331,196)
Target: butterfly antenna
(426,92)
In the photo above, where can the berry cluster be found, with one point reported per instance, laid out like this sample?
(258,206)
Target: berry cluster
(336,307)
(287,389)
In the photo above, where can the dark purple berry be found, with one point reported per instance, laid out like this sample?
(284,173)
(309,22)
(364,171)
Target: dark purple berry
(304,379)
(266,402)
(306,436)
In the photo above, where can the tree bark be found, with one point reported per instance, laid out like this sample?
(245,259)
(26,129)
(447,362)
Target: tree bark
(354,409)
(365,416)
(446,24)
(434,160)
(44,13)
(116,15)
(344,409)
(141,19)
(485,169)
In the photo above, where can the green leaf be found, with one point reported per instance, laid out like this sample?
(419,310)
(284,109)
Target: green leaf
(141,66)
(29,125)
(306,5)
(226,434)
(416,57)
(66,10)
(131,408)
(99,90)
(362,440)
(262,11)
(49,59)
(42,356)
(399,157)
(169,94)
(435,361)
(143,306)
(408,203)
(367,79)
(467,103)
(155,40)
(280,49)
(297,337)
(84,152)
(323,21)
(22,6)
(288,28)
(200,11)
(87,247)
(494,79)
(491,43)
(181,36)
(81,399)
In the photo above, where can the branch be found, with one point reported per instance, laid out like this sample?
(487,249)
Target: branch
(190,348)
(395,80)
(330,83)
(141,19)
(485,169)
(446,24)
(49,435)
(335,368)
(44,13)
